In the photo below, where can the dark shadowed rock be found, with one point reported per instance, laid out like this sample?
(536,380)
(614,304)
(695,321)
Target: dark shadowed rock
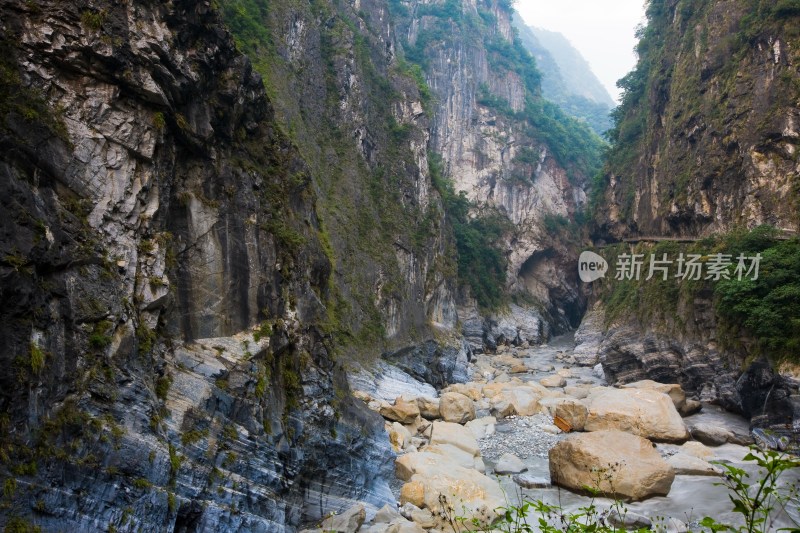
(432,363)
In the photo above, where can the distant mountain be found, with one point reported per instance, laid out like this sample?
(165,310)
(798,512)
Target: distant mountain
(567,78)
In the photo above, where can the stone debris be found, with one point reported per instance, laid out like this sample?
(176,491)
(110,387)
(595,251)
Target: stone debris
(529,481)
(509,464)
(711,435)
(347,522)
(404,411)
(456,407)
(446,442)
(690,465)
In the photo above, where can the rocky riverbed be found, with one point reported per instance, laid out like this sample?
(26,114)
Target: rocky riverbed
(472,447)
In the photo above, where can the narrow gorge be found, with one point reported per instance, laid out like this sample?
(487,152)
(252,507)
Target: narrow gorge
(267,261)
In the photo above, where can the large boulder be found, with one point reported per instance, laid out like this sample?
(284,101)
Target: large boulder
(456,407)
(403,411)
(689,465)
(399,436)
(481,427)
(711,435)
(553,381)
(518,400)
(472,390)
(429,408)
(690,407)
(455,435)
(465,491)
(573,412)
(347,522)
(673,390)
(457,455)
(412,492)
(643,412)
(615,463)
(509,464)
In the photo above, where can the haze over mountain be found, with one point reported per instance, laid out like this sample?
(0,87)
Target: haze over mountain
(567,78)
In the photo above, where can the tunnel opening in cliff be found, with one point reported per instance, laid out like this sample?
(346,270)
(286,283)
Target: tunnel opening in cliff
(550,278)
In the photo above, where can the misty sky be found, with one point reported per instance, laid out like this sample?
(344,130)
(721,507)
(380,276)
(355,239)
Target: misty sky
(601,30)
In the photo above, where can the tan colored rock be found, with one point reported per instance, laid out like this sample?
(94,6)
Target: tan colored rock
(424,518)
(543,391)
(553,381)
(429,408)
(673,390)
(689,465)
(501,407)
(469,493)
(404,526)
(615,463)
(403,411)
(690,407)
(574,412)
(548,405)
(413,492)
(457,455)
(519,369)
(404,465)
(399,436)
(523,400)
(644,412)
(576,392)
(361,395)
(456,435)
(472,390)
(506,360)
(422,426)
(481,427)
(456,407)
(347,522)
(493,389)
(697,449)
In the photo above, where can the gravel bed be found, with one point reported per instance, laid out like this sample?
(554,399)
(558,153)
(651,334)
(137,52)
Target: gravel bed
(520,435)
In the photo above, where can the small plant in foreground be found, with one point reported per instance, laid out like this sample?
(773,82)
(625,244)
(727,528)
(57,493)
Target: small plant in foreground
(757,501)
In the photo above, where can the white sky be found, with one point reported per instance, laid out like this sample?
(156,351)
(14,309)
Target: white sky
(601,30)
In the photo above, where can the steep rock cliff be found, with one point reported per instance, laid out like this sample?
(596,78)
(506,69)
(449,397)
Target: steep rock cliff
(154,212)
(707,133)
(505,147)
(705,147)
(358,117)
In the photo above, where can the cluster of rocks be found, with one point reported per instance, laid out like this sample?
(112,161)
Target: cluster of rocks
(510,410)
